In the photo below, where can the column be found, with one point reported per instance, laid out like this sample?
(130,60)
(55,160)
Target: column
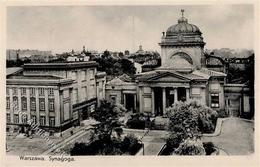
(153,105)
(28,103)
(19,104)
(175,94)
(187,94)
(124,98)
(37,105)
(140,100)
(61,106)
(11,105)
(164,99)
(135,102)
(46,98)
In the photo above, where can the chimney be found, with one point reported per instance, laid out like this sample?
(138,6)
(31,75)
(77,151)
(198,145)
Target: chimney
(163,33)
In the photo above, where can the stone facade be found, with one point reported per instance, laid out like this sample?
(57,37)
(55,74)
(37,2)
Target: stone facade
(45,100)
(72,104)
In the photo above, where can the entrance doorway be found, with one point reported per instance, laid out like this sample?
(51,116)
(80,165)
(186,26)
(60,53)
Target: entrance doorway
(181,92)
(130,102)
(158,107)
(169,97)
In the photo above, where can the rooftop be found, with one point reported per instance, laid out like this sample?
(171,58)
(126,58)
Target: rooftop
(63,65)
(13,70)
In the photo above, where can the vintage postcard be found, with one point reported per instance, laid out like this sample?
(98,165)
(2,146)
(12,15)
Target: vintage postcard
(129,83)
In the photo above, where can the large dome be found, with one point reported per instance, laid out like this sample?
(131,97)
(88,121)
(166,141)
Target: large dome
(182,27)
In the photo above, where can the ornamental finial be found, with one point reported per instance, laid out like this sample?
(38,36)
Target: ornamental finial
(182,12)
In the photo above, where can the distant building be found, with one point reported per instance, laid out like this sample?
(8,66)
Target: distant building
(73,88)
(12,54)
(78,57)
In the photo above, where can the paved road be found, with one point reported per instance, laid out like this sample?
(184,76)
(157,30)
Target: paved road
(236,138)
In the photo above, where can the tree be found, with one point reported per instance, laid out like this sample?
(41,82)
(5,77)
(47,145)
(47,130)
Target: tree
(187,121)
(108,116)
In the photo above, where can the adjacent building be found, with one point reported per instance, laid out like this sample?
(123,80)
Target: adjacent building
(56,95)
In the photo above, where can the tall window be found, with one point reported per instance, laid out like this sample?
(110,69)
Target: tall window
(75,96)
(52,121)
(7,91)
(74,75)
(51,92)
(215,100)
(51,104)
(42,120)
(7,102)
(84,92)
(15,103)
(15,91)
(24,119)
(91,74)
(83,75)
(8,118)
(16,118)
(41,91)
(23,91)
(32,91)
(33,117)
(24,103)
(32,104)
(42,104)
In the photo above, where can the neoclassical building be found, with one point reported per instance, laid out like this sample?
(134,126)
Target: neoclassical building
(182,75)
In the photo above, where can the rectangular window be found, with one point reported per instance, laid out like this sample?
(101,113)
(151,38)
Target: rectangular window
(16,118)
(24,119)
(83,75)
(15,91)
(84,92)
(52,121)
(15,105)
(24,103)
(32,104)
(42,104)
(91,74)
(51,104)
(7,102)
(33,117)
(23,91)
(215,100)
(8,118)
(42,120)
(32,91)
(7,91)
(75,96)
(41,91)
(51,92)
(74,75)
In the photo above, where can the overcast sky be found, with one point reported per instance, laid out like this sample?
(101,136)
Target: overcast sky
(62,28)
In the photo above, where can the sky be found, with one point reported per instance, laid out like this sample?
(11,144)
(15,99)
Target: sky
(120,28)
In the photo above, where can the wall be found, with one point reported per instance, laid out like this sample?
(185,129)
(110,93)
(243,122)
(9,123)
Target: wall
(195,53)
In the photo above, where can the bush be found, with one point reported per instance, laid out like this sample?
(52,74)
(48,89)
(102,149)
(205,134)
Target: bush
(209,147)
(137,121)
(190,147)
(129,145)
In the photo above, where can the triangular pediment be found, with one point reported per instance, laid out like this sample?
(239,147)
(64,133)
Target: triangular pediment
(168,77)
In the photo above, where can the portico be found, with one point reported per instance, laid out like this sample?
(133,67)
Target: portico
(163,97)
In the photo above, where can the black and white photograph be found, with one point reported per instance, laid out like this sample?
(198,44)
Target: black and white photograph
(130,80)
